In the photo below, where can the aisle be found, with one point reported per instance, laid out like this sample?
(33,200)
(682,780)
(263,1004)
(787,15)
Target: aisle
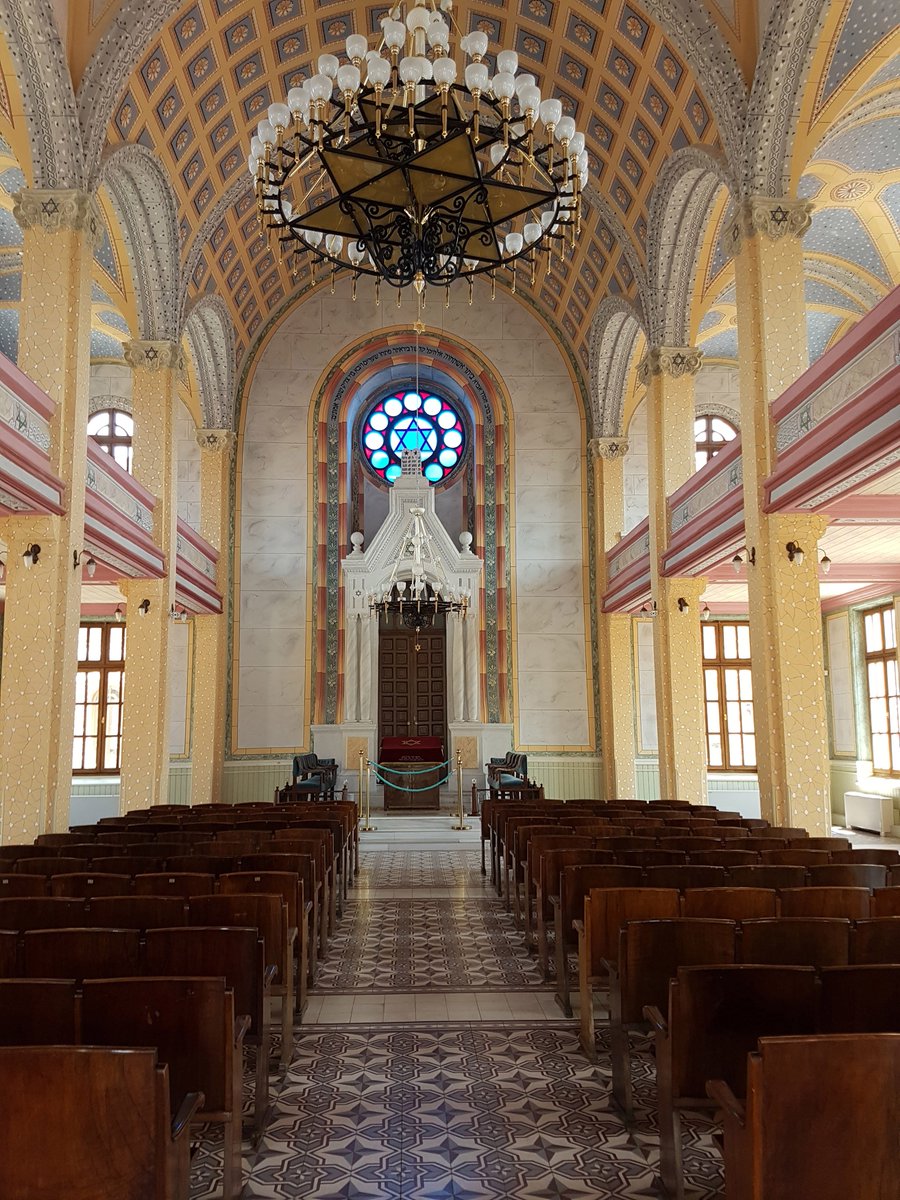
(434,1064)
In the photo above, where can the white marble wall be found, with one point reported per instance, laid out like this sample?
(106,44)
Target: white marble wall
(272,708)
(187,466)
(110,386)
(635,470)
(179,689)
(645,686)
(717,392)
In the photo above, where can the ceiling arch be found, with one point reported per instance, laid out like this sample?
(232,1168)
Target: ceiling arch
(617,327)
(210,334)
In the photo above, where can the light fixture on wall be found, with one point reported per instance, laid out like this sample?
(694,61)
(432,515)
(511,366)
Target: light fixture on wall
(795,553)
(418,589)
(825,563)
(705,614)
(648,609)
(683,605)
(742,557)
(90,566)
(417,178)
(31,554)
(178,613)
(118,615)
(143,608)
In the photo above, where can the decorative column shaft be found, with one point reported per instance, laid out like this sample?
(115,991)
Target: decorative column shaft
(145,713)
(765,239)
(211,632)
(43,603)
(617,713)
(668,372)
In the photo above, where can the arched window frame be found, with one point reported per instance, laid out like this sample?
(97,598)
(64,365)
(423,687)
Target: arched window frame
(706,444)
(449,400)
(118,441)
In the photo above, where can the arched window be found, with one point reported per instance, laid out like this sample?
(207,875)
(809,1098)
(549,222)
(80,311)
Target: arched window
(711,434)
(113,431)
(409,420)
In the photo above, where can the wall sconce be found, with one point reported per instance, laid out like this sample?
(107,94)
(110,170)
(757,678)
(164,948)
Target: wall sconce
(705,614)
(177,613)
(825,563)
(648,609)
(683,605)
(31,554)
(118,615)
(143,608)
(744,556)
(90,566)
(795,553)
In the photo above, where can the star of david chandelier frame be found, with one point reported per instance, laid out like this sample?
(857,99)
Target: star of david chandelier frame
(418,179)
(418,589)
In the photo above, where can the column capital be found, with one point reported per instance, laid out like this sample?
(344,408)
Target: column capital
(674,361)
(53,210)
(153,356)
(770,216)
(608,448)
(217,441)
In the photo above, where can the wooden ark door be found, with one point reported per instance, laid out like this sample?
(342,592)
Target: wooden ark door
(412,684)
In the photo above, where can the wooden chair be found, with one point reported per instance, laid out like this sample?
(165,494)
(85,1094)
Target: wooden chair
(135,912)
(831,844)
(203,864)
(650,953)
(267,913)
(297,861)
(715,1017)
(524,870)
(8,951)
(88,883)
(38,1012)
(855,875)
(885,902)
(300,916)
(787,832)
(850,902)
(690,844)
(40,912)
(859,999)
(23,885)
(575,885)
(794,856)
(731,833)
(876,941)
(725,858)
(174,883)
(70,1144)
(800,941)
(606,911)
(767,875)
(80,953)
(729,904)
(191,1024)
(820,1119)
(237,956)
(651,858)
(550,862)
(129,864)
(685,877)
(866,854)
(48,865)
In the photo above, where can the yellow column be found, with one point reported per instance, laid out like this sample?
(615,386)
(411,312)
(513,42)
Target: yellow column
(668,372)
(211,632)
(43,603)
(785,613)
(145,723)
(617,715)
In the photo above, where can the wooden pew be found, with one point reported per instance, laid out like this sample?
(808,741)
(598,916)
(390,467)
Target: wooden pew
(849,902)
(767,875)
(876,941)
(136,912)
(174,883)
(23,885)
(300,916)
(650,953)
(80,953)
(69,1145)
(38,1012)
(191,1023)
(859,999)
(820,1120)
(806,941)
(575,885)
(730,904)
(238,956)
(90,883)
(605,912)
(266,913)
(551,861)
(715,1017)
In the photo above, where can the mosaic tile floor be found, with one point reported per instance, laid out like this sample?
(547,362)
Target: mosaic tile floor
(433,1064)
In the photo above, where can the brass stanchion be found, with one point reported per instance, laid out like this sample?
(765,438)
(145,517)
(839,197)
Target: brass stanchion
(368,827)
(461,816)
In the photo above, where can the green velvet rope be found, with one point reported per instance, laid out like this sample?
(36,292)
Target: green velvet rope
(401,788)
(403,771)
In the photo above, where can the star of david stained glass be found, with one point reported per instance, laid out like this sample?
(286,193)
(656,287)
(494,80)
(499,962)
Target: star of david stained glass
(413,420)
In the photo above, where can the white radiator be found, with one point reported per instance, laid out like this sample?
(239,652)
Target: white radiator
(862,810)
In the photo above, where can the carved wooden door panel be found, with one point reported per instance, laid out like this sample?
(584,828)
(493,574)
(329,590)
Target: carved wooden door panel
(412,684)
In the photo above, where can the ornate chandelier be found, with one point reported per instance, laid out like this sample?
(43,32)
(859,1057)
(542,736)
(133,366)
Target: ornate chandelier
(419,178)
(418,589)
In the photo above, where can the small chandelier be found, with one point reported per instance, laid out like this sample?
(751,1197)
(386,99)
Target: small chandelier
(418,589)
(420,178)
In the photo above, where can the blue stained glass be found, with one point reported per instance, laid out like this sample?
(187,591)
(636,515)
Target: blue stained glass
(407,420)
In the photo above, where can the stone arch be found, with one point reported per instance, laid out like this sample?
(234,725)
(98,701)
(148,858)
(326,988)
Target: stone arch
(781,72)
(600,204)
(200,241)
(210,334)
(680,208)
(145,205)
(47,95)
(616,328)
